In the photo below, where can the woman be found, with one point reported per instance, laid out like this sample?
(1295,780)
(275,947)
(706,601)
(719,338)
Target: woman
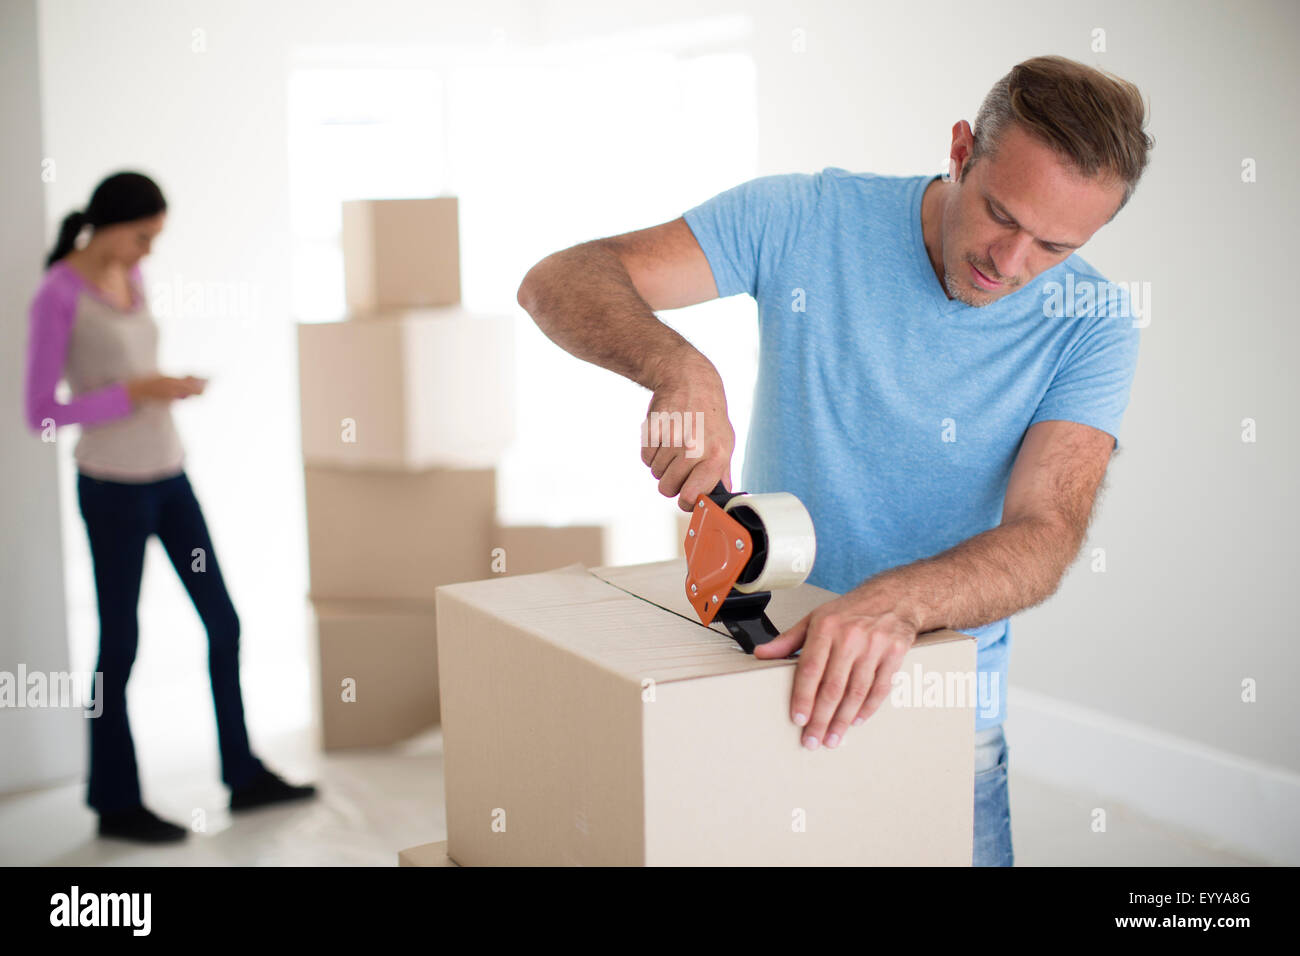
(90,324)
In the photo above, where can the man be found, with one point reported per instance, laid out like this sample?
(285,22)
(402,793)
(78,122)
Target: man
(931,384)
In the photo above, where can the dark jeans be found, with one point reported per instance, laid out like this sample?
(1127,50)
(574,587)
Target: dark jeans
(119,518)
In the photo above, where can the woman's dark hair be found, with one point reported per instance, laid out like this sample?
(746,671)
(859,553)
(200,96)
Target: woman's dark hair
(122,197)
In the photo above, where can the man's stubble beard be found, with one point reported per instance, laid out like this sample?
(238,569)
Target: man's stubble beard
(964,293)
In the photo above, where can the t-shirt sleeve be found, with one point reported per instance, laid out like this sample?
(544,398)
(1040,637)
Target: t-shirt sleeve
(1093,383)
(53,312)
(748,230)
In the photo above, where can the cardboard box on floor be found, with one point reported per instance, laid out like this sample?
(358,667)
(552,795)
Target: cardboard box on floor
(397,535)
(422,388)
(426,854)
(589,719)
(378,671)
(400,252)
(527,549)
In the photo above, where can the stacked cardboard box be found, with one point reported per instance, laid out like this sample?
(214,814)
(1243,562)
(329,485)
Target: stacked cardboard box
(408,389)
(400,253)
(527,549)
(378,661)
(406,408)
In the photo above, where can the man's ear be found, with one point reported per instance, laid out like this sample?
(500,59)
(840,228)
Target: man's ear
(963,144)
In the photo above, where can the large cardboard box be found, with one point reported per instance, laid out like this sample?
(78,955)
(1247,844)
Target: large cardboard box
(378,671)
(397,535)
(589,719)
(527,549)
(426,854)
(401,252)
(425,388)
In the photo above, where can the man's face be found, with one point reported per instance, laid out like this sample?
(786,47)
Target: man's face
(1015,214)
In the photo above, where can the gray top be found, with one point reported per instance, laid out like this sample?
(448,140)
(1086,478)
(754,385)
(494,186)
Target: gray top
(107,346)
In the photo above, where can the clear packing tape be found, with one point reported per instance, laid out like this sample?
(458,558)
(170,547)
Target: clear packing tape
(791,540)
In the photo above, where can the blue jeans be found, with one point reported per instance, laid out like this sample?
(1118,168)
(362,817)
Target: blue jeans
(120,518)
(992,802)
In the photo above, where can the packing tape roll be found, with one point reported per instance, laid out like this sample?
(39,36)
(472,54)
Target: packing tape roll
(791,541)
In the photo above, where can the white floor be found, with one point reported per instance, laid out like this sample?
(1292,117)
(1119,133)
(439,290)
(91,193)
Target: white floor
(374,803)
(1053,827)
(370,805)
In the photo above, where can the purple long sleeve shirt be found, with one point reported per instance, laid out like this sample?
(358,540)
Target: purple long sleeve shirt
(52,316)
(76,334)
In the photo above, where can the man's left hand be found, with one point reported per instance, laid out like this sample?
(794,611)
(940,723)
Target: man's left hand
(852,647)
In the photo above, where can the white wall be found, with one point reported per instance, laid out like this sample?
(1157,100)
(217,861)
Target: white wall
(46,744)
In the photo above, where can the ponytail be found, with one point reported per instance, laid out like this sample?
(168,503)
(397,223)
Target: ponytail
(73,223)
(122,197)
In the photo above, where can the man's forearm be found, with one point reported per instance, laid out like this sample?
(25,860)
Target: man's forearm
(984,579)
(584,300)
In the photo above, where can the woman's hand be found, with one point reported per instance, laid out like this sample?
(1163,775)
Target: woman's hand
(163,388)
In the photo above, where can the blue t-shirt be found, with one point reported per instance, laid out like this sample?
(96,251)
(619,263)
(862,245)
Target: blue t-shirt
(893,412)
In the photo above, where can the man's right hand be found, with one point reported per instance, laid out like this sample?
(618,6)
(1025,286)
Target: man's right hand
(162,388)
(687,438)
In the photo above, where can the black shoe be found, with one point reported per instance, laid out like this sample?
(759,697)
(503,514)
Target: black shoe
(140,825)
(267,788)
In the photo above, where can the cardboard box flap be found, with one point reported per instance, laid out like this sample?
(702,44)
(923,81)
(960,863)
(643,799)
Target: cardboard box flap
(562,587)
(634,621)
(584,615)
(663,583)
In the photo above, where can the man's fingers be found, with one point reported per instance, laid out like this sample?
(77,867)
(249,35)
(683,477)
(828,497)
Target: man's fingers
(662,459)
(686,477)
(882,685)
(652,443)
(702,480)
(670,483)
(860,684)
(808,674)
(830,694)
